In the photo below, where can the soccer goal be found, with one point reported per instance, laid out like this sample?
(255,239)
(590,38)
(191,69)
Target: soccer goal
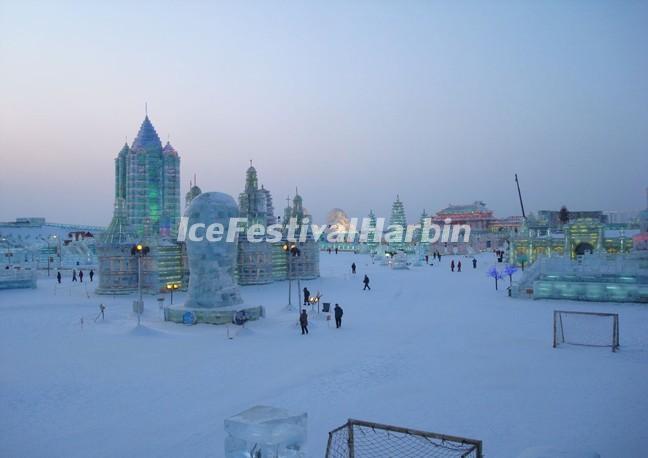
(586,328)
(362,439)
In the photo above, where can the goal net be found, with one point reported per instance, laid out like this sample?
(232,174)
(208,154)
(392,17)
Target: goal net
(586,328)
(361,439)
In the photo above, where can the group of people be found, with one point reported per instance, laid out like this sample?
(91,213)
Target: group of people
(59,277)
(329,250)
(458,265)
(303,318)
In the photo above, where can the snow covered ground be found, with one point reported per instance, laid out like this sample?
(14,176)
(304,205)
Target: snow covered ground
(425,348)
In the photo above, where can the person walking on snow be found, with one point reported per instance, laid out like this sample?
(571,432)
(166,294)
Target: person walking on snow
(366,283)
(459,266)
(353,268)
(474,263)
(74,278)
(58,277)
(306,296)
(91,275)
(427,258)
(81,276)
(303,322)
(452,264)
(338,315)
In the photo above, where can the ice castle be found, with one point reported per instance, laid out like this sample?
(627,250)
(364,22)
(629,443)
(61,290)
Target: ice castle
(147,212)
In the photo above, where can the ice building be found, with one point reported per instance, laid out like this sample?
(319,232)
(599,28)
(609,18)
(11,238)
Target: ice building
(255,260)
(147,211)
(576,238)
(301,256)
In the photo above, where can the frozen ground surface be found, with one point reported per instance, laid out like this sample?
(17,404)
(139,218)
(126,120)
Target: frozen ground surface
(425,348)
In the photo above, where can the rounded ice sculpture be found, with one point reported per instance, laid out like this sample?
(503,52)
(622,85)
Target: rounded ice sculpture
(212,259)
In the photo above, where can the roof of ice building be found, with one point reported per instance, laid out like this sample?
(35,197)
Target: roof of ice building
(147,137)
(477,206)
(118,231)
(620,233)
(168,149)
(125,149)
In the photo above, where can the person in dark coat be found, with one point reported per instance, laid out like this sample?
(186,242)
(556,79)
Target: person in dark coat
(303,322)
(336,250)
(353,268)
(474,263)
(452,265)
(306,296)
(58,277)
(459,266)
(81,276)
(74,278)
(366,283)
(91,275)
(427,258)
(338,315)
(439,256)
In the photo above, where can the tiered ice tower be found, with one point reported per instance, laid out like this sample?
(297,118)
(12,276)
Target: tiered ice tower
(399,221)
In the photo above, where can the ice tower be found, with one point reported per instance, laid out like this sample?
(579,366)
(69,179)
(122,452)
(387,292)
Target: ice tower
(147,210)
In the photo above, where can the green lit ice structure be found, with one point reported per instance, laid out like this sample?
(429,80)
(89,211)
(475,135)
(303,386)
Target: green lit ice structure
(147,211)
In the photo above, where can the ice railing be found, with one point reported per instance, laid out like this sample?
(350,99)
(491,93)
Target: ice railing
(633,265)
(595,264)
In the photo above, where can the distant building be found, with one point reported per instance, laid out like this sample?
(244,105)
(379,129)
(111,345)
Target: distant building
(477,215)
(551,218)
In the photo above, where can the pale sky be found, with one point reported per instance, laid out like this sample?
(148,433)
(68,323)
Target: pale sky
(353,102)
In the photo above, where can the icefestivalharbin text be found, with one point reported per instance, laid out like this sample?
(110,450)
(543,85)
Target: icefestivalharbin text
(369,229)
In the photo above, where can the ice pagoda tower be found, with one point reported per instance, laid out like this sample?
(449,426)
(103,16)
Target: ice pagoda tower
(397,226)
(373,240)
(254,260)
(147,211)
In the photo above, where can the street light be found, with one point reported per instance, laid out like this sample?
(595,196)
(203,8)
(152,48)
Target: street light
(139,250)
(172,286)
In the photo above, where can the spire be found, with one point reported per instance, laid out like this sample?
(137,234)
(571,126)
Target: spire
(147,138)
(168,149)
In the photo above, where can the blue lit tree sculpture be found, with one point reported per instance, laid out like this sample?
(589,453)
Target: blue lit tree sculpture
(493,273)
(510,270)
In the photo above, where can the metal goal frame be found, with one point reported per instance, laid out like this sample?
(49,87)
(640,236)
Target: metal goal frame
(458,446)
(559,333)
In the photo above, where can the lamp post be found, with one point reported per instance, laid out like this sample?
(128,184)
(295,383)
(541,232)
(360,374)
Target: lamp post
(172,286)
(139,250)
(289,249)
(8,255)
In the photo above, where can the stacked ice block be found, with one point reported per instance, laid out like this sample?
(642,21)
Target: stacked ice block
(266,432)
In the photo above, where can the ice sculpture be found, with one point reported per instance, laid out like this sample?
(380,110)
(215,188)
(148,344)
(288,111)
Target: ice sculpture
(213,296)
(263,431)
(211,262)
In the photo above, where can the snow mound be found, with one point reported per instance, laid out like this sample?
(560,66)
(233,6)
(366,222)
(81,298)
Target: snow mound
(550,452)
(146,332)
